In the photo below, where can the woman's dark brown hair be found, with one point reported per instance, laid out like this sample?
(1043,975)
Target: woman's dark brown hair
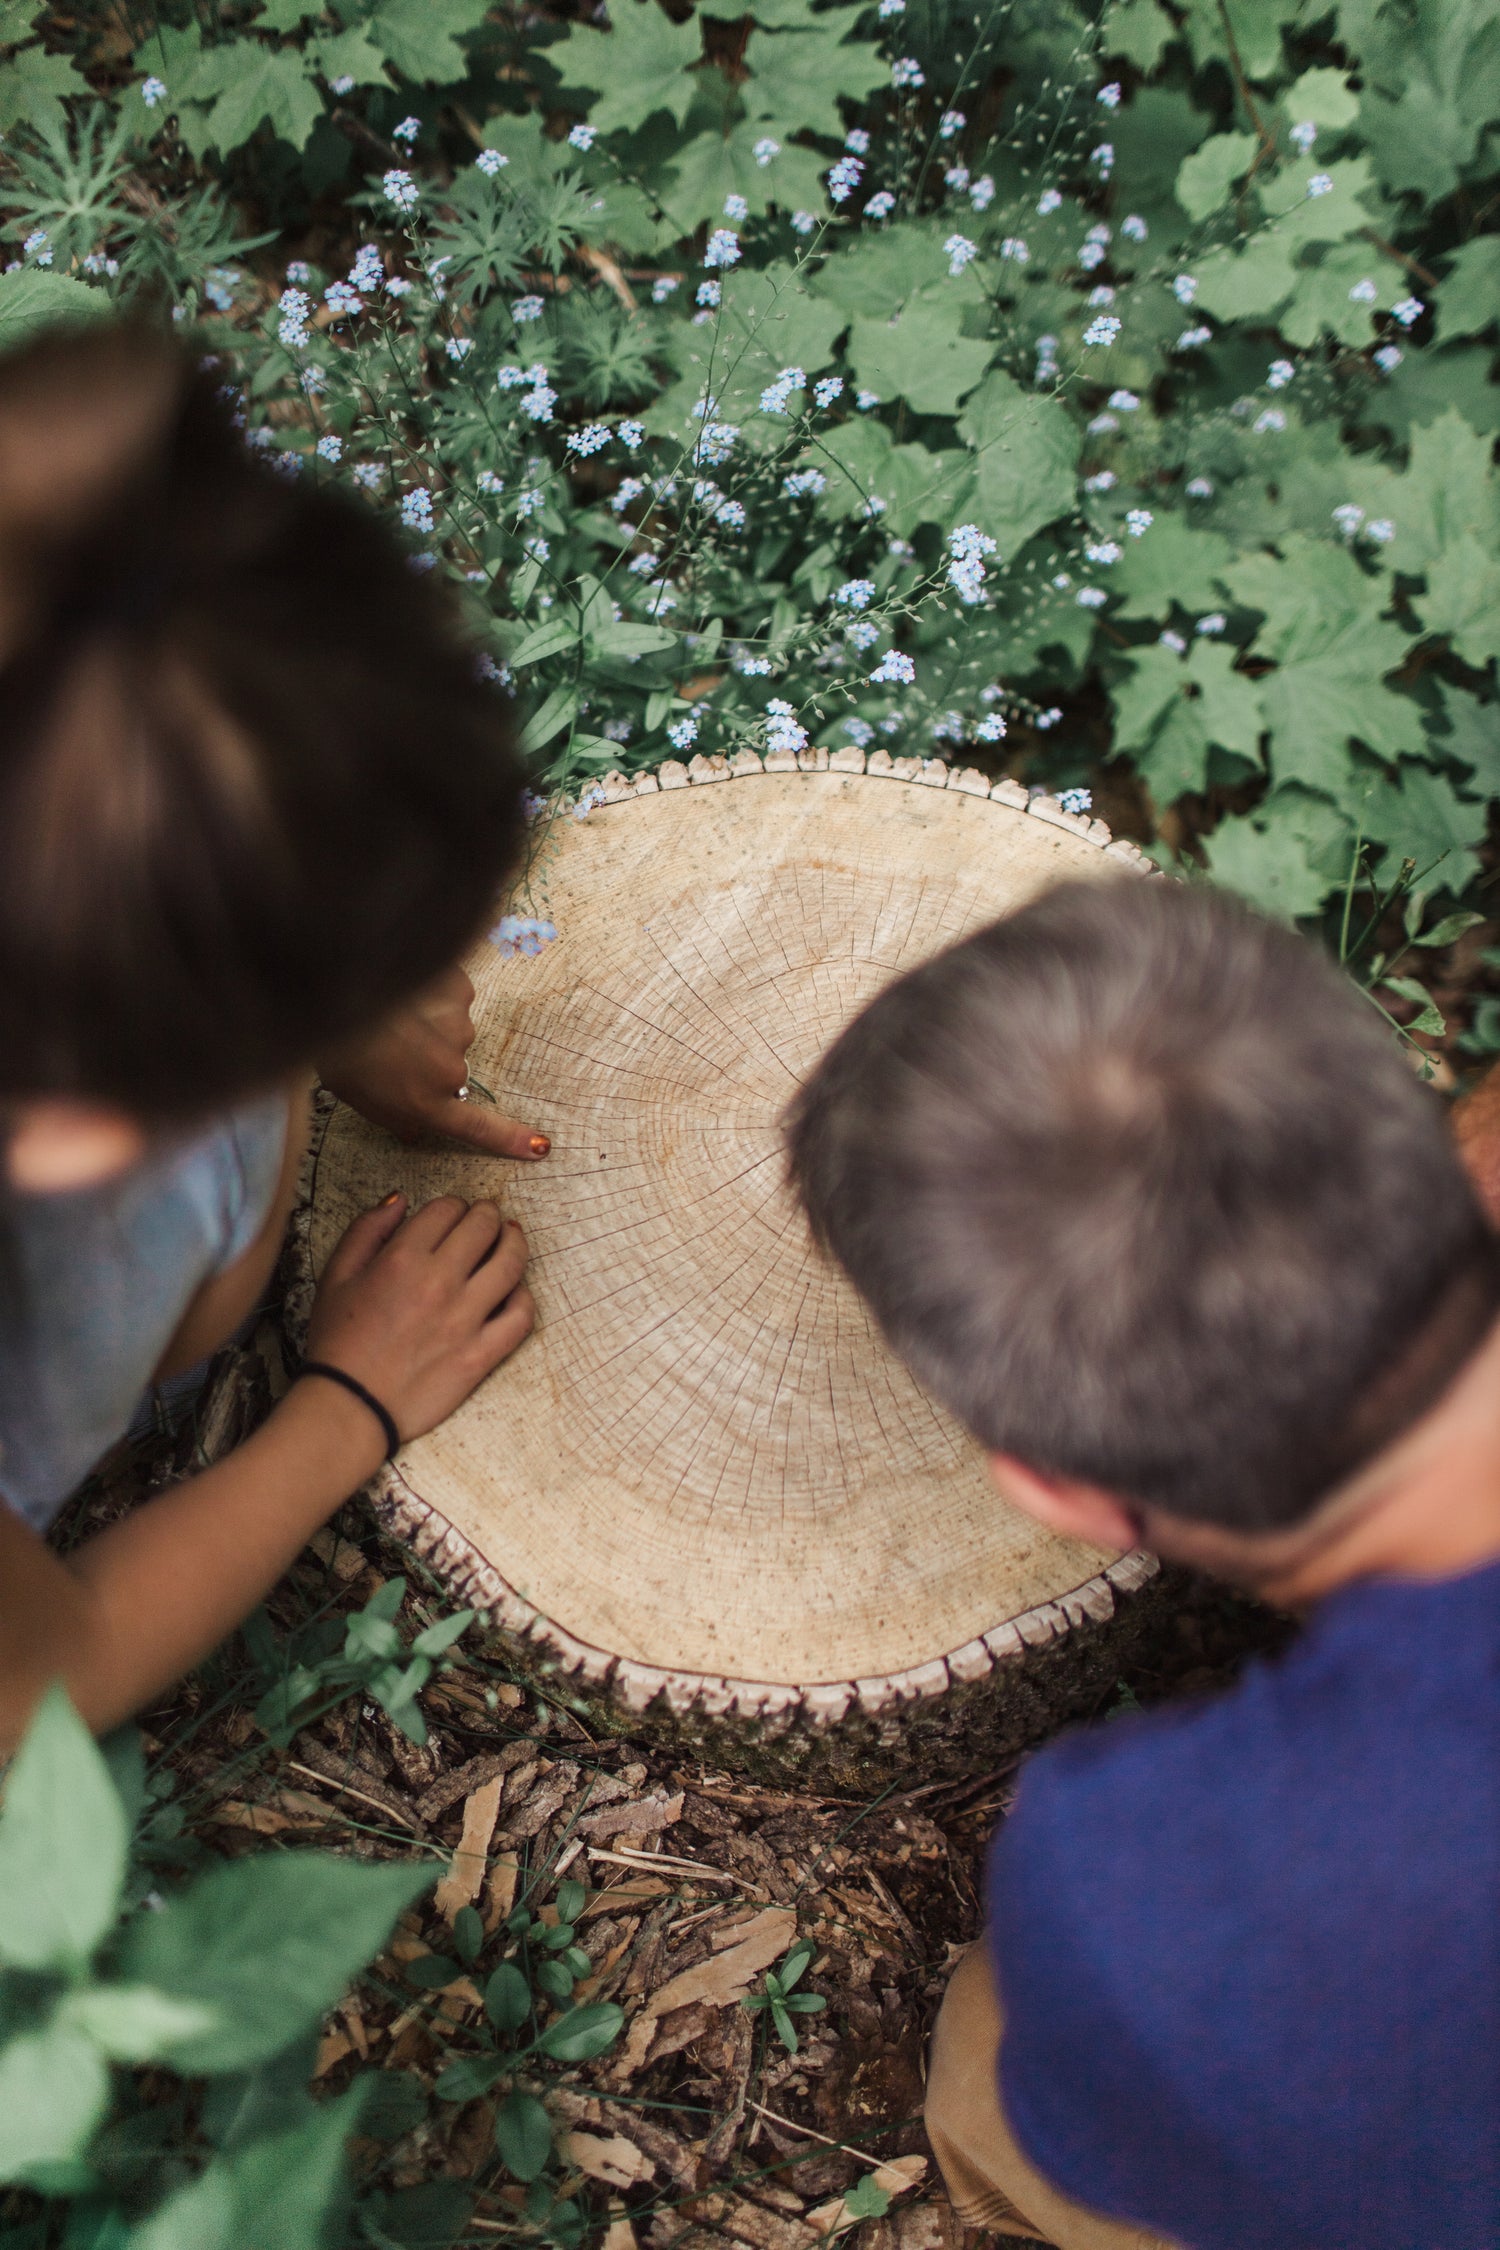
(253,791)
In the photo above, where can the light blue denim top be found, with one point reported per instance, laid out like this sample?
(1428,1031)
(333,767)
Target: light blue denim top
(94,1282)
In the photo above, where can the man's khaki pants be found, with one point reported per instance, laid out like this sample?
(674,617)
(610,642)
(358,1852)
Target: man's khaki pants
(990,2182)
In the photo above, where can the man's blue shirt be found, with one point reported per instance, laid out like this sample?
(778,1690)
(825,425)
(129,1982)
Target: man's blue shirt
(1249,1950)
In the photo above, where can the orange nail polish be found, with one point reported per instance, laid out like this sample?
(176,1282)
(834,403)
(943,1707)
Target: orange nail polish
(539,1144)
(387,1200)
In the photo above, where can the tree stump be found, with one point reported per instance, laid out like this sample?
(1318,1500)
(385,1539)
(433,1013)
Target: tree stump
(705,1497)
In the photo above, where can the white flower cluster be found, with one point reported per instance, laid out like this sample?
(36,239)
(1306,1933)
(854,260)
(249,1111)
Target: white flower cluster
(982,193)
(723,249)
(1076,800)
(855,593)
(782,730)
(967,548)
(490,161)
(153,91)
(991,728)
(524,310)
(766,151)
(880,205)
(951,124)
(804,484)
(416,509)
(1104,330)
(715,443)
(590,439)
(1138,522)
(1109,95)
(894,667)
(582,137)
(959,252)
(295,308)
(1279,374)
(407,130)
(682,733)
(1046,359)
(906,72)
(844,178)
(773,399)
(1134,228)
(401,189)
(1352,524)
(522,934)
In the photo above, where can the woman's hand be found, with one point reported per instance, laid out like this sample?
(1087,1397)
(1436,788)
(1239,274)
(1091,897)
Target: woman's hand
(407,1076)
(421,1309)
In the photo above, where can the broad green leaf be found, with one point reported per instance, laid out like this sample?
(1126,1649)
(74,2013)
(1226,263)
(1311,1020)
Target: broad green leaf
(1172,710)
(1468,298)
(918,356)
(621,638)
(283,2191)
(31,301)
(1257,25)
(53,2087)
(1205,178)
(63,1844)
(1027,449)
(867,2199)
(134,2022)
(421,36)
(1419,815)
(1427,1017)
(1138,30)
(711,166)
(1265,859)
(523,2135)
(1463,600)
(270,1943)
(1450,491)
(434,1639)
(583,2032)
(797,78)
(1339,208)
(1332,296)
(350,54)
(863,464)
(507,1998)
(260,84)
(546,640)
(878,274)
(34,85)
(1321,97)
(1248,284)
(1175,558)
(550,720)
(638,67)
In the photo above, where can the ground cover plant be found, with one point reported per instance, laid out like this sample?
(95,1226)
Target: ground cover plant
(1101,395)
(1098,393)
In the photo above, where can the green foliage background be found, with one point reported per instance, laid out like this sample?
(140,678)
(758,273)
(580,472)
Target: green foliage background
(1289,210)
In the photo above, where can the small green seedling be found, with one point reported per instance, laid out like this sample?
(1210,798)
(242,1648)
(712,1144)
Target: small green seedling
(782,2000)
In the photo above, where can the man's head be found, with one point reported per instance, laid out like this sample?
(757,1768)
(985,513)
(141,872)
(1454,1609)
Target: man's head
(1137,1185)
(253,793)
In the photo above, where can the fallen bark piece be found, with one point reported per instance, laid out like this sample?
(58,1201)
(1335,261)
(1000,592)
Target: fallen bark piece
(434,1802)
(465,1877)
(500,1891)
(543,1802)
(764,2230)
(722,1978)
(616,2161)
(648,1816)
(619,2234)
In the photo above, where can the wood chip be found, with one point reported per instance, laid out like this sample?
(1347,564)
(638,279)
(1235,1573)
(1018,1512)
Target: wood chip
(723,1978)
(434,1802)
(465,1877)
(500,1891)
(543,1801)
(648,1816)
(619,2234)
(332,2048)
(764,2230)
(616,2161)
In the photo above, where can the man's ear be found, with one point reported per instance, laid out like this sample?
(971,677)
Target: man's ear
(51,1146)
(1076,1510)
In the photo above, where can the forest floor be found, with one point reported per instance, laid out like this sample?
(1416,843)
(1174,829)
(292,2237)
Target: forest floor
(698,2126)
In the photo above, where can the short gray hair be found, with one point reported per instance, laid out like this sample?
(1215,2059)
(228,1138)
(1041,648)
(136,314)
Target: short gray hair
(1136,1183)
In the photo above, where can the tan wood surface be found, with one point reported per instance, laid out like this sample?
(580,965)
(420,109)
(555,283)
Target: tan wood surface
(706,1463)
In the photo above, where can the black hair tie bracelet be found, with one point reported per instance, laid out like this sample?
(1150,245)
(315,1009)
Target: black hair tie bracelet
(356,1388)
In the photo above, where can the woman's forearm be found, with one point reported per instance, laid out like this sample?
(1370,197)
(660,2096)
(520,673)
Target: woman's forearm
(132,1610)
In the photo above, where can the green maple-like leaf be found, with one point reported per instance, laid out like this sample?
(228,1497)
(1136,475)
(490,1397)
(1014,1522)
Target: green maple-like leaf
(421,36)
(919,358)
(257,84)
(1463,600)
(639,67)
(1026,451)
(798,78)
(1469,296)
